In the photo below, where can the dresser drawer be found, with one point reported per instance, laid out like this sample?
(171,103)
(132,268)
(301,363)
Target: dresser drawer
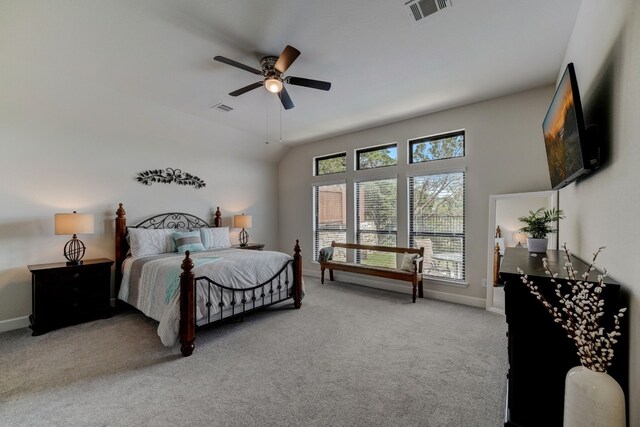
(72,276)
(77,306)
(73,286)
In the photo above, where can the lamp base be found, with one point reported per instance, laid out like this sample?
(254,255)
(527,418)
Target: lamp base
(74,251)
(244,237)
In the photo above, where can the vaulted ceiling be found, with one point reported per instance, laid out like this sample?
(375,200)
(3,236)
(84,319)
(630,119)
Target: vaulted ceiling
(384,66)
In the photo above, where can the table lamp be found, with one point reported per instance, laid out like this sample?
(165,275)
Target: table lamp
(519,238)
(243,221)
(73,223)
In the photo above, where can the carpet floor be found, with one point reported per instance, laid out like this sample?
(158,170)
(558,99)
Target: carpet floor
(351,356)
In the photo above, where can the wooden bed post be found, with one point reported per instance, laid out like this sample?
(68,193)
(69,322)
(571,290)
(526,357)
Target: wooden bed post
(496,264)
(187,307)
(121,247)
(297,276)
(217,221)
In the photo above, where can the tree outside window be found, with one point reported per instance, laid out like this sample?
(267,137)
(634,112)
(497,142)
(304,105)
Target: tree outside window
(439,147)
(377,157)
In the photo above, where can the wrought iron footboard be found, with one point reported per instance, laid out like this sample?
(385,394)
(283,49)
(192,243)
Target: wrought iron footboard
(241,301)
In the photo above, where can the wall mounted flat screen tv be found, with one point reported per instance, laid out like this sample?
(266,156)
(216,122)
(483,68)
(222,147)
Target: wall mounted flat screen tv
(569,151)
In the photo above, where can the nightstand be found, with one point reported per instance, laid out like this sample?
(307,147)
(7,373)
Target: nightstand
(250,246)
(63,295)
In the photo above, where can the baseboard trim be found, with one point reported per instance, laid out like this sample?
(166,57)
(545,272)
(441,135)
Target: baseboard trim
(401,287)
(16,323)
(495,310)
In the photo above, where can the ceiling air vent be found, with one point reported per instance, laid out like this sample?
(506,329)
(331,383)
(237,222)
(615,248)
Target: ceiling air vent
(419,9)
(222,107)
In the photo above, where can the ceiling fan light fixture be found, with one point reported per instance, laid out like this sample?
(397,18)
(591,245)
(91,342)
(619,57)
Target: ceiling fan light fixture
(273,85)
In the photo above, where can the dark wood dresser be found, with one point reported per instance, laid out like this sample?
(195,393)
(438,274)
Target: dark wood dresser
(63,295)
(539,352)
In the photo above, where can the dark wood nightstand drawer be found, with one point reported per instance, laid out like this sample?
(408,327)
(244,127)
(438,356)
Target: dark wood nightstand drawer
(65,295)
(80,285)
(75,306)
(70,277)
(250,246)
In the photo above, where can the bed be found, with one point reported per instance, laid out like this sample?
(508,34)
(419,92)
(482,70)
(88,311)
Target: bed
(188,291)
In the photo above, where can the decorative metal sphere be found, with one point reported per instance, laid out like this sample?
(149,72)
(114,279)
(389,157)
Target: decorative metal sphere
(74,250)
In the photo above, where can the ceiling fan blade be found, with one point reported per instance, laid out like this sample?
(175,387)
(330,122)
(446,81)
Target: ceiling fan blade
(315,84)
(245,89)
(287,103)
(288,55)
(236,64)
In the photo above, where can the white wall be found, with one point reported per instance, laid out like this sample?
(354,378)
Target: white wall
(602,210)
(504,154)
(49,170)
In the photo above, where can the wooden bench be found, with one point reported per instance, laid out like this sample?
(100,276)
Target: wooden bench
(414,276)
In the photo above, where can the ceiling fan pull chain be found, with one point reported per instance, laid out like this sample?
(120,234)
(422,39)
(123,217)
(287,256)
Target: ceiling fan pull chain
(267,125)
(280,109)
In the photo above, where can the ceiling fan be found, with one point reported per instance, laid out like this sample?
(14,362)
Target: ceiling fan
(273,69)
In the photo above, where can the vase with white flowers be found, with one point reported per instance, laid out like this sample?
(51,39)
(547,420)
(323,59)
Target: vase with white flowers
(592,397)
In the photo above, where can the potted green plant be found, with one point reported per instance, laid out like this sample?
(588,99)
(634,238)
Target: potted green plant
(538,226)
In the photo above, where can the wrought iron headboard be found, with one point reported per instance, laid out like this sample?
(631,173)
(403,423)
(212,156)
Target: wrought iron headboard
(178,220)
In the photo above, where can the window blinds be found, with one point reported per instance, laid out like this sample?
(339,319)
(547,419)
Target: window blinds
(436,222)
(330,218)
(376,220)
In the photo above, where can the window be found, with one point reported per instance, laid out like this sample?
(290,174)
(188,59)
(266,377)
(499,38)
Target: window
(436,222)
(376,157)
(437,147)
(330,218)
(376,220)
(334,163)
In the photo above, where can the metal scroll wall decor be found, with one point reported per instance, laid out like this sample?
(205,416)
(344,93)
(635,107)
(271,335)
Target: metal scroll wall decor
(168,176)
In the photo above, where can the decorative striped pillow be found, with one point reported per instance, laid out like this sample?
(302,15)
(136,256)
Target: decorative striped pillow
(188,241)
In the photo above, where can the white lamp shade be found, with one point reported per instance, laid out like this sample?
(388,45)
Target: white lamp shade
(242,221)
(73,223)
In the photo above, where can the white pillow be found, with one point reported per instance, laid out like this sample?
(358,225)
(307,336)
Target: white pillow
(151,241)
(215,237)
(407,261)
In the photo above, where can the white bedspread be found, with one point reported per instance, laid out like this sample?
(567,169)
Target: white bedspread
(151,284)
